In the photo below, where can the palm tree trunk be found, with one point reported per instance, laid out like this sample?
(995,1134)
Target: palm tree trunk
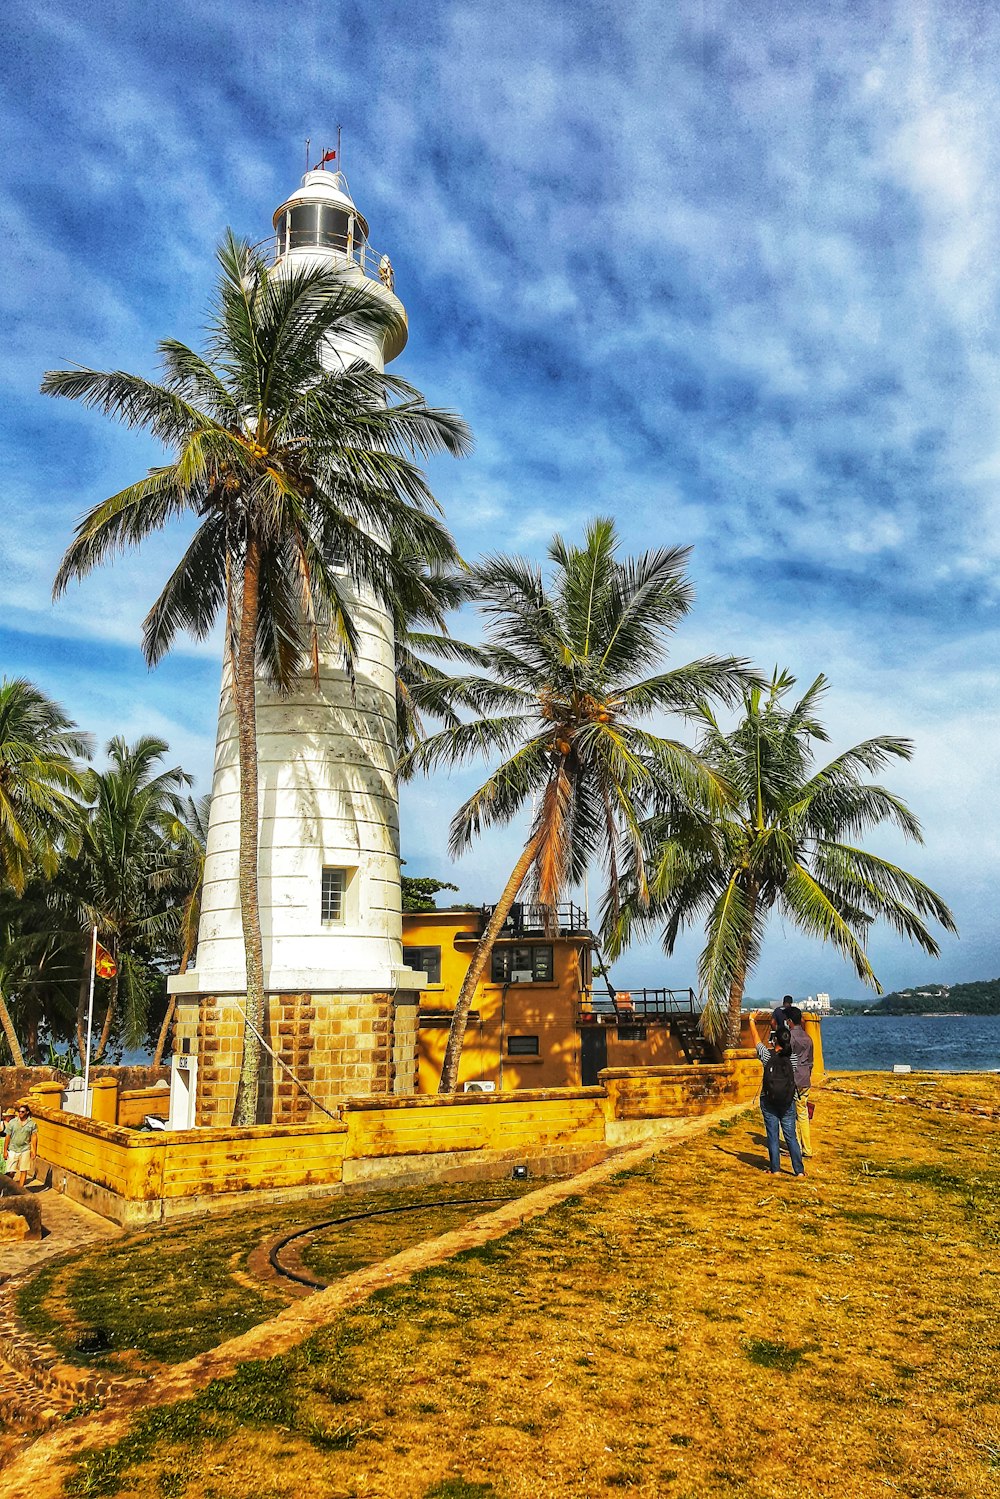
(734,1023)
(9,1032)
(734,1019)
(245,700)
(456,1036)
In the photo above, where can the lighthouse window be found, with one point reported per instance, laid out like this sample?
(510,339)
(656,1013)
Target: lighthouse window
(319,224)
(332,899)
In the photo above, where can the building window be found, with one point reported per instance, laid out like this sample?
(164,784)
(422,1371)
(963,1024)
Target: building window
(522,965)
(332,898)
(522,1046)
(631,1033)
(424,960)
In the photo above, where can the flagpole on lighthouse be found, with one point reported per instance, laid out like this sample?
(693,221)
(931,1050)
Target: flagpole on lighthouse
(90,1021)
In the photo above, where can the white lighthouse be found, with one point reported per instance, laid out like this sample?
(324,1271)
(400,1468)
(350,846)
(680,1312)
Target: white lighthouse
(340,1007)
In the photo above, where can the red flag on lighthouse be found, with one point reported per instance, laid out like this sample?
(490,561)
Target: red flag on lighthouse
(329,156)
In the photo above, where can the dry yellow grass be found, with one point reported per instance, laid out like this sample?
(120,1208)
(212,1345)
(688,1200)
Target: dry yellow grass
(972,1090)
(695,1329)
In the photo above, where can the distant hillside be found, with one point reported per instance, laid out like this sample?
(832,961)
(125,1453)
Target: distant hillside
(982,998)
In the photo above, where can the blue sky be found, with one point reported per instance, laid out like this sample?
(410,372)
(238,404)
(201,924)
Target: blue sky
(729,271)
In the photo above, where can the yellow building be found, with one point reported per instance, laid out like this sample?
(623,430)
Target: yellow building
(537,1020)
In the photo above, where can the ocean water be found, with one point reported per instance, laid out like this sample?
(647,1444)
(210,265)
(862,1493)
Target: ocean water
(932,1043)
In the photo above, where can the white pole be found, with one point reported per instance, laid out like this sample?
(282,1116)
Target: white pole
(90,1022)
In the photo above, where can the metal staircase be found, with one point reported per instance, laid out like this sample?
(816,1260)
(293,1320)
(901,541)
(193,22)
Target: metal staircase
(695,1046)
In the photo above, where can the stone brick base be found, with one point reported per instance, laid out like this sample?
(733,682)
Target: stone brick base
(331,1046)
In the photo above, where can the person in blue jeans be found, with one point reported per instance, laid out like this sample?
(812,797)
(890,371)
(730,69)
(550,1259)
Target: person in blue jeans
(777,1095)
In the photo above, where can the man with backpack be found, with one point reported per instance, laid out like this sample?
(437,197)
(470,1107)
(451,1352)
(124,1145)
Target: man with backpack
(802,1065)
(777,1095)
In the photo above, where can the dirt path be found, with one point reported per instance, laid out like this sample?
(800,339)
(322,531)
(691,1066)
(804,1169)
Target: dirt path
(36,1473)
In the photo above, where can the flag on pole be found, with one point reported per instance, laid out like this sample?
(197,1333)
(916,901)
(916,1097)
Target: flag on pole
(329,156)
(104,964)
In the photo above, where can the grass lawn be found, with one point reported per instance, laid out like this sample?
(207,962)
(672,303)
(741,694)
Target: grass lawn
(164,1295)
(975,1090)
(693,1329)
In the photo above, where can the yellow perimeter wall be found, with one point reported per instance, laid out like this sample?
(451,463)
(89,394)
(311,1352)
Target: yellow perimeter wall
(138,1177)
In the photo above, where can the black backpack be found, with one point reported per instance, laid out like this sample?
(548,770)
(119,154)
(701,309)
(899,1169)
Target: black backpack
(778,1087)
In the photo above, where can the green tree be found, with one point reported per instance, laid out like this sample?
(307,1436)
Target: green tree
(572,669)
(297,477)
(40,964)
(39,780)
(780,839)
(128,863)
(419,891)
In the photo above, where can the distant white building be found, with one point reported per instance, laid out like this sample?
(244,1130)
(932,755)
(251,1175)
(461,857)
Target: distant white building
(819,1006)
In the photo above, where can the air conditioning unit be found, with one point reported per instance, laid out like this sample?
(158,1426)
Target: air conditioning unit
(480,1087)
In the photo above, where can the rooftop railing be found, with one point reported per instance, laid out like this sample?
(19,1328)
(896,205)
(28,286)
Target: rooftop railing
(525,920)
(639,1004)
(377,267)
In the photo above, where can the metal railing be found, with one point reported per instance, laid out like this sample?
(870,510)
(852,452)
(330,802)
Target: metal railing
(373,265)
(541,921)
(638,1004)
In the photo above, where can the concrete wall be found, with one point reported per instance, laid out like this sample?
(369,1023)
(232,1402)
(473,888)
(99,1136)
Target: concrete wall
(435,1131)
(135,1103)
(681,1092)
(333,1045)
(138,1177)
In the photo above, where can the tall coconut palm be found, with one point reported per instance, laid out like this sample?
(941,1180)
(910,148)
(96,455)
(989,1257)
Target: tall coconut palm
(128,855)
(780,839)
(573,668)
(296,475)
(39,779)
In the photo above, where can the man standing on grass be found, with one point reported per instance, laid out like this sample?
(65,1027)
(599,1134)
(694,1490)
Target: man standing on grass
(802,1064)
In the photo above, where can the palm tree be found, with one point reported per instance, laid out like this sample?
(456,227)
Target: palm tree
(40,964)
(128,855)
(39,778)
(562,700)
(782,838)
(297,476)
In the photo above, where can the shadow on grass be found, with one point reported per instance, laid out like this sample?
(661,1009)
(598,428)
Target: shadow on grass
(748,1159)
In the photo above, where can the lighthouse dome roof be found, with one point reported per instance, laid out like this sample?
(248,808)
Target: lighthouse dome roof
(328,188)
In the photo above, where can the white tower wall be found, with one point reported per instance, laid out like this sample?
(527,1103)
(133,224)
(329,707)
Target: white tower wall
(328,796)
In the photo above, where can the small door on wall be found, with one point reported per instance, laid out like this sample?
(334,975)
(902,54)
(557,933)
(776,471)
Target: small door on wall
(593,1054)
